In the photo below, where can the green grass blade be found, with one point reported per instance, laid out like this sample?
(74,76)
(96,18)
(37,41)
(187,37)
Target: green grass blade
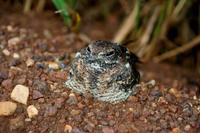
(62,7)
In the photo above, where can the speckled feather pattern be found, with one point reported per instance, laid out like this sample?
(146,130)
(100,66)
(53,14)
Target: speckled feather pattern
(104,69)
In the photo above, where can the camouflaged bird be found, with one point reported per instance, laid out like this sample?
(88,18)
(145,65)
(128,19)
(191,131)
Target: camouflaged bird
(106,70)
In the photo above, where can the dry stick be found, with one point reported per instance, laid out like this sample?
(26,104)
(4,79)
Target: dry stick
(159,33)
(169,43)
(40,5)
(179,7)
(126,27)
(147,34)
(27,6)
(146,37)
(174,52)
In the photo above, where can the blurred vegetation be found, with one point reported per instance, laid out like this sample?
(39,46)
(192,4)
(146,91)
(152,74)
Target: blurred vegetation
(160,26)
(165,30)
(64,7)
(160,29)
(67,10)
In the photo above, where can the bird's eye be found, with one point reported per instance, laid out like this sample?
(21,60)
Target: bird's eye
(110,53)
(70,75)
(88,49)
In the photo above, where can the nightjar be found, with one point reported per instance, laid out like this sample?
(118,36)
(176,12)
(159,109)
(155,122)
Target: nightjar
(106,70)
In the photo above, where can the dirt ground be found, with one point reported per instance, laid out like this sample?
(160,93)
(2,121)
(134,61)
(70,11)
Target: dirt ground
(37,51)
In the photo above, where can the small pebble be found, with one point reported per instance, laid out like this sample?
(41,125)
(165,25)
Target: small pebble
(62,65)
(16,124)
(29,62)
(16,56)
(32,111)
(72,99)
(195,97)
(187,128)
(20,94)
(163,124)
(53,86)
(76,130)
(111,122)
(21,80)
(27,120)
(53,65)
(41,100)
(7,83)
(89,127)
(51,110)
(75,112)
(40,86)
(7,108)
(67,129)
(14,62)
(131,109)
(156,93)
(162,100)
(10,28)
(40,65)
(151,82)
(176,130)
(6,52)
(14,41)
(107,130)
(154,105)
(122,128)
(3,75)
(173,108)
(57,75)
(37,94)
(174,92)
(80,105)
(59,102)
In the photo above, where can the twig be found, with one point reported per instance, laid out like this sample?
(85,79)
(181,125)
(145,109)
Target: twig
(146,37)
(149,30)
(169,43)
(40,5)
(127,25)
(27,6)
(152,49)
(174,52)
(179,7)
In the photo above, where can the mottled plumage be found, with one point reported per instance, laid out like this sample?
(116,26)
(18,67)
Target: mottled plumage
(106,70)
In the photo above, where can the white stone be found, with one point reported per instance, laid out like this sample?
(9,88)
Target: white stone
(6,52)
(151,82)
(7,108)
(53,65)
(10,28)
(14,41)
(67,128)
(29,62)
(20,94)
(27,119)
(32,111)
(16,56)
